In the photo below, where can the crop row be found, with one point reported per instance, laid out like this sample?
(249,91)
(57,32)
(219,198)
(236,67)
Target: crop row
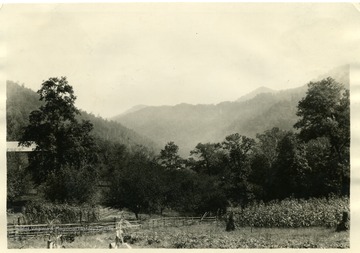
(293,213)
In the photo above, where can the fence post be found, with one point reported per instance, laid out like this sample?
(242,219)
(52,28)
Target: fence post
(16,233)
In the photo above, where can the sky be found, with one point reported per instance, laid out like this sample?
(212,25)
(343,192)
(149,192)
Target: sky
(120,55)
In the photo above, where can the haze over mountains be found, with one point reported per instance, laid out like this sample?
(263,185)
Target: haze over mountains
(187,125)
(255,92)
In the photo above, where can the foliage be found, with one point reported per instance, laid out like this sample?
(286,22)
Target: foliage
(235,180)
(111,131)
(60,139)
(227,165)
(18,177)
(112,156)
(292,169)
(325,112)
(238,147)
(169,157)
(268,143)
(72,185)
(198,194)
(20,101)
(322,179)
(62,142)
(209,158)
(141,185)
(134,185)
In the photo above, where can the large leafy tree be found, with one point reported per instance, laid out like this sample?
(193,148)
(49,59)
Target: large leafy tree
(238,149)
(209,158)
(323,178)
(137,184)
(169,157)
(268,144)
(291,168)
(265,155)
(325,112)
(18,177)
(64,146)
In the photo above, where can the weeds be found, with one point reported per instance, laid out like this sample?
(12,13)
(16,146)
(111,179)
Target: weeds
(209,236)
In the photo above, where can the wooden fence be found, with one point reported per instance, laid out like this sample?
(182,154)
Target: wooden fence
(21,231)
(178,221)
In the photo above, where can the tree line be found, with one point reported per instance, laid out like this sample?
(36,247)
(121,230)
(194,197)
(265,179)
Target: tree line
(71,165)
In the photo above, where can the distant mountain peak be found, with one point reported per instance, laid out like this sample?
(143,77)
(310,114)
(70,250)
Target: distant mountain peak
(134,109)
(256,92)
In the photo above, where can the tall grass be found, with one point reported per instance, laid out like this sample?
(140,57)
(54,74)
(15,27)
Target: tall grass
(294,213)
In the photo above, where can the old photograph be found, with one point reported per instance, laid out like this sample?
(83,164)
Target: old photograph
(178,125)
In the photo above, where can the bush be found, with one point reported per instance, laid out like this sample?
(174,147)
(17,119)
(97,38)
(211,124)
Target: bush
(293,213)
(72,185)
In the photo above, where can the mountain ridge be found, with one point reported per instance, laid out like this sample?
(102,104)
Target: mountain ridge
(187,124)
(254,93)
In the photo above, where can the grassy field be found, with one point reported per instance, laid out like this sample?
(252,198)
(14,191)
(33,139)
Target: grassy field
(209,236)
(290,223)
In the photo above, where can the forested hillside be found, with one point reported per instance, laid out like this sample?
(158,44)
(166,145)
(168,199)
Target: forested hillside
(21,101)
(188,125)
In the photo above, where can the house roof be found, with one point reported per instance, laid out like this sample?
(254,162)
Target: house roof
(13,146)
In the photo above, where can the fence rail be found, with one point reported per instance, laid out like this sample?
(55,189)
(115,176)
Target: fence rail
(19,231)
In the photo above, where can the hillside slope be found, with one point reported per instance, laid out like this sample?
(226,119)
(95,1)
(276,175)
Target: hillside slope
(21,101)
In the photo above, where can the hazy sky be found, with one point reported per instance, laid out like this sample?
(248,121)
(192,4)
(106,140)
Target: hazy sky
(120,55)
